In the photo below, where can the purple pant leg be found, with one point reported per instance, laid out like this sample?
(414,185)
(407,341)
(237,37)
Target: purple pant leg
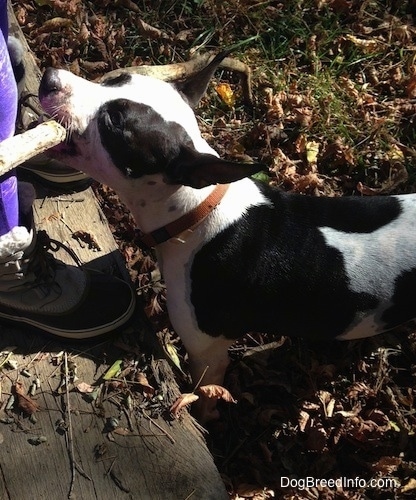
(4,26)
(9,207)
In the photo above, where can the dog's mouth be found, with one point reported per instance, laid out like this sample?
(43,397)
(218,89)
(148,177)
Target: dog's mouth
(64,150)
(62,118)
(68,147)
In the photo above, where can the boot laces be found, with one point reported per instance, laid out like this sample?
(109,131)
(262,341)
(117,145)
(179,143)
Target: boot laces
(42,264)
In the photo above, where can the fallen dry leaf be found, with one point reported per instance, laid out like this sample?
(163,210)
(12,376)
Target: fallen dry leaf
(64,7)
(303,116)
(216,392)
(146,30)
(24,402)
(141,379)
(122,431)
(246,490)
(312,151)
(54,24)
(183,400)
(409,486)
(303,420)
(93,66)
(359,388)
(226,93)
(387,465)
(367,46)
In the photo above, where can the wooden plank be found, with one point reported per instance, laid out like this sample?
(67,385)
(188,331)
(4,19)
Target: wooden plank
(76,220)
(156,459)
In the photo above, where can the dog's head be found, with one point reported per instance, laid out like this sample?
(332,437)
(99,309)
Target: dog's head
(134,125)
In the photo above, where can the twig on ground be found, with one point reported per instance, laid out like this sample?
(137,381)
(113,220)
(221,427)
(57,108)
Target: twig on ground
(159,427)
(75,467)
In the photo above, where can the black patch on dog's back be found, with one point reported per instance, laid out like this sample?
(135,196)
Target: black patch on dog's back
(117,81)
(350,214)
(272,271)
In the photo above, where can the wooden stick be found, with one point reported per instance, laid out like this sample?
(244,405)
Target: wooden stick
(20,148)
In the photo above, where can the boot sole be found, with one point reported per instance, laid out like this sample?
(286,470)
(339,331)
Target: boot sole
(63,183)
(17,320)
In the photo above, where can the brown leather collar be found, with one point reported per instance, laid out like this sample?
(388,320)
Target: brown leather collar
(187,221)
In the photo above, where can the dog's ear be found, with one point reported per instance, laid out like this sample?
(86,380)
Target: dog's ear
(194,87)
(199,170)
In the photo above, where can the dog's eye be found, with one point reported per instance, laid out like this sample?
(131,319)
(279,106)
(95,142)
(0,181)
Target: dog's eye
(115,118)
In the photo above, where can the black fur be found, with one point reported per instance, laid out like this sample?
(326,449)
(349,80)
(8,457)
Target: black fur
(195,86)
(287,279)
(403,307)
(50,83)
(117,81)
(138,140)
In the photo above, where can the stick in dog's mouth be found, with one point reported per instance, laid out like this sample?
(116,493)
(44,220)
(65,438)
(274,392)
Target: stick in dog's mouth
(68,146)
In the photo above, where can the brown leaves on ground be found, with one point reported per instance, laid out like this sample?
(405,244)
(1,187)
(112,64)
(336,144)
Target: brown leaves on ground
(307,417)
(342,114)
(183,401)
(24,402)
(212,391)
(85,388)
(217,392)
(141,380)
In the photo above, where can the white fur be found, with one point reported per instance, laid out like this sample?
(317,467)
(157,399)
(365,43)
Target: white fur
(393,242)
(154,203)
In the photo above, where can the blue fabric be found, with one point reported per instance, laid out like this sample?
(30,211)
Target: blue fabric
(9,207)
(4,26)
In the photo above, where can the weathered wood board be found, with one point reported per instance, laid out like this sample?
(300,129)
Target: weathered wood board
(154,460)
(158,458)
(68,449)
(77,221)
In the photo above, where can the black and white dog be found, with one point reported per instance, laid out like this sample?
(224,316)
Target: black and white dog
(237,256)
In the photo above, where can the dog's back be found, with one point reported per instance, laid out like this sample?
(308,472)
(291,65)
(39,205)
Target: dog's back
(309,266)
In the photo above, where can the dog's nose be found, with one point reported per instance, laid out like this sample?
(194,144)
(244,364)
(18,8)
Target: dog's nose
(50,83)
